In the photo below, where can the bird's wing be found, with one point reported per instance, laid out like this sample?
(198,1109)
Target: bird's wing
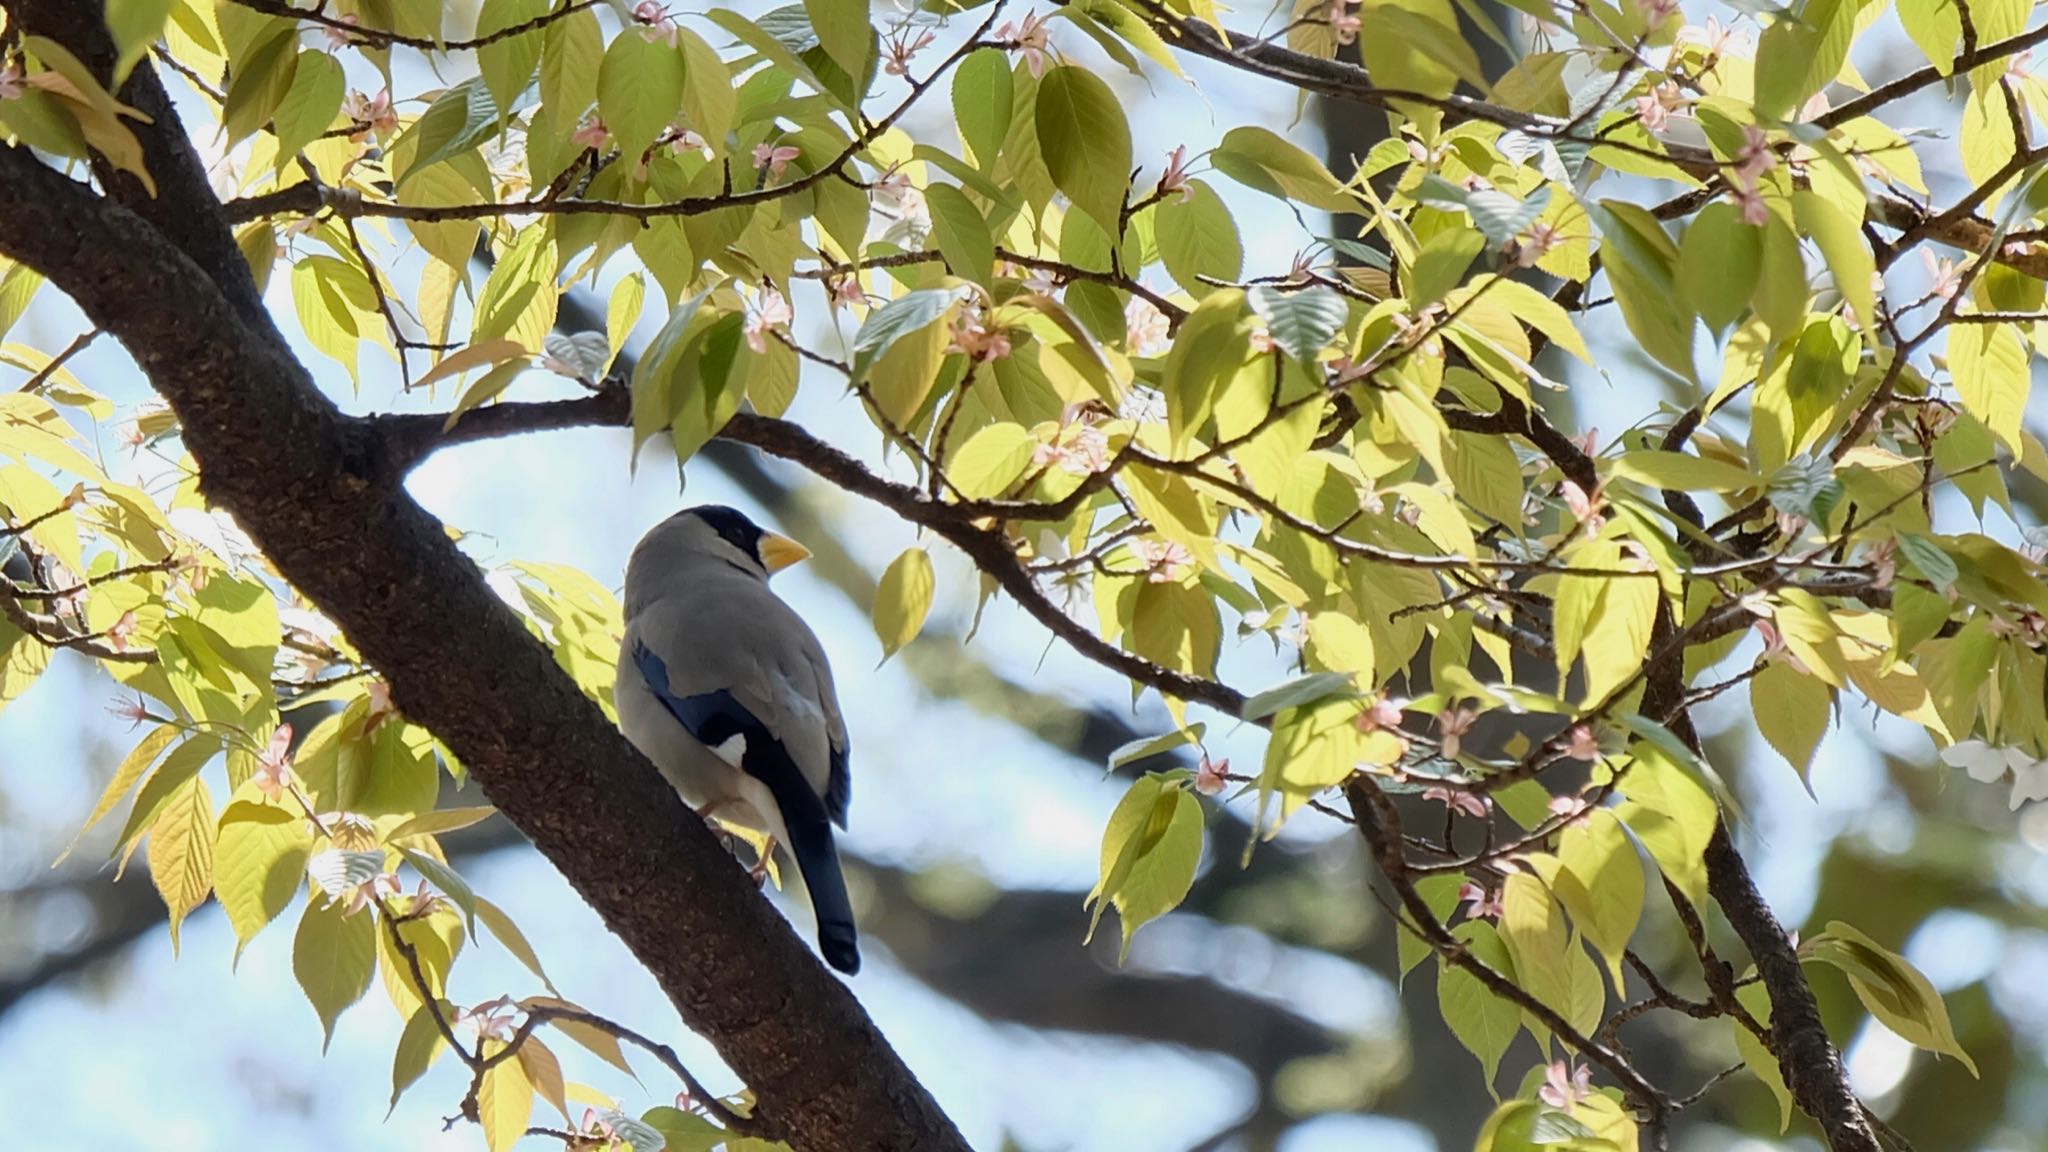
(723,722)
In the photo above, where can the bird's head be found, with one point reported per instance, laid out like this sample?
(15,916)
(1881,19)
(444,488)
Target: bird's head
(713,533)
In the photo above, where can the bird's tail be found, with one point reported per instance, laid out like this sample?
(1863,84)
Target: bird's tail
(817,857)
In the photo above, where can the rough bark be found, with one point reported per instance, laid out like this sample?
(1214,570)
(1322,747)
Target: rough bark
(308,485)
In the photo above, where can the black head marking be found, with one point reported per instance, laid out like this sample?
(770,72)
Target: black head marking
(733,526)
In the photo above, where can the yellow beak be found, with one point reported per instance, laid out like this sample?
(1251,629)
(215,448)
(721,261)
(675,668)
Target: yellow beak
(779,552)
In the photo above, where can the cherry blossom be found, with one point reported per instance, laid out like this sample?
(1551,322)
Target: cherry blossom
(1945,277)
(1582,744)
(1479,903)
(775,157)
(1382,715)
(1453,724)
(1165,561)
(1211,778)
(1145,328)
(1343,21)
(902,48)
(1988,765)
(1027,40)
(1175,178)
(373,114)
(768,312)
(338,38)
(591,134)
(274,764)
(1565,1085)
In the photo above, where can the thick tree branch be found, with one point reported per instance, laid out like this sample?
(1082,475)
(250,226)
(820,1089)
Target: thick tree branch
(304,482)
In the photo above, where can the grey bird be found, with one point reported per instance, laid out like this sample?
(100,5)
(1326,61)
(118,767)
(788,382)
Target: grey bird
(726,689)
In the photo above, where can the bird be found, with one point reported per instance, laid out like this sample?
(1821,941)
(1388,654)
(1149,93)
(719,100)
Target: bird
(726,689)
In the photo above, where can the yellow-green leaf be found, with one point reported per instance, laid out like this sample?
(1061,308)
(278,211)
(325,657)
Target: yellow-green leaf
(902,600)
(333,957)
(181,853)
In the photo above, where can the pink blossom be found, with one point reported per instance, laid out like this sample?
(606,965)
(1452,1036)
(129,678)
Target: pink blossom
(775,157)
(590,134)
(372,114)
(769,312)
(1946,279)
(846,291)
(1213,776)
(1260,340)
(1343,21)
(1654,108)
(274,763)
(376,889)
(1582,744)
(901,49)
(687,140)
(1028,40)
(1382,715)
(121,636)
(11,81)
(1175,178)
(1458,800)
(1452,725)
(655,21)
(491,1020)
(1343,370)
(1564,1085)
(1712,36)
(972,336)
(1165,561)
(1755,212)
(339,38)
(381,707)
(1079,447)
(1533,244)
(1754,158)
(1776,649)
(1656,12)
(1571,809)
(133,711)
(2020,66)
(1479,903)
(1145,328)
(1586,509)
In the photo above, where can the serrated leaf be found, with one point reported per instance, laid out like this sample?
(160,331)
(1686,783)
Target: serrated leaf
(1718,264)
(138,761)
(1441,265)
(639,89)
(1483,1022)
(1792,711)
(1085,142)
(1297,693)
(1927,558)
(1149,853)
(1891,989)
(333,957)
(1301,323)
(418,1047)
(1262,160)
(902,600)
(181,853)
(309,105)
(504,1104)
(1676,470)
(982,97)
(507,65)
(1197,237)
(885,326)
(1151,746)
(259,864)
(500,923)
(961,234)
(991,460)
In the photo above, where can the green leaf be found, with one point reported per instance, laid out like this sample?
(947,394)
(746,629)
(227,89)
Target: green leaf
(181,853)
(309,106)
(178,769)
(1149,853)
(1718,264)
(1927,558)
(1261,160)
(1601,884)
(458,120)
(1211,343)
(961,234)
(1934,25)
(418,1046)
(1441,265)
(1483,1022)
(902,600)
(1801,53)
(445,880)
(508,934)
(708,97)
(1301,323)
(1197,237)
(504,1104)
(1501,217)
(1892,990)
(1148,747)
(258,84)
(842,30)
(572,54)
(1988,363)
(1841,242)
(908,313)
(1297,693)
(333,956)
(639,89)
(259,864)
(135,25)
(1640,261)
(991,460)
(1792,710)
(982,97)
(1676,470)
(1086,142)
(507,65)
(125,777)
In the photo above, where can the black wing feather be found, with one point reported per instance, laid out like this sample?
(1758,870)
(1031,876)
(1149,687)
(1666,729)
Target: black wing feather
(716,717)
